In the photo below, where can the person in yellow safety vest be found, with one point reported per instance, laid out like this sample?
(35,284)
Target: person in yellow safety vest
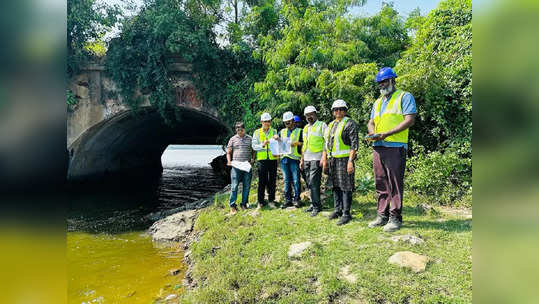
(341,143)
(267,162)
(391,116)
(311,156)
(290,161)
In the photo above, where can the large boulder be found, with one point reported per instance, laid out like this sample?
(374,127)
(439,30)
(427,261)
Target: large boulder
(176,227)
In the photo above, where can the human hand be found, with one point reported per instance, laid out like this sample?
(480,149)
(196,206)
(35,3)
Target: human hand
(276,137)
(301,164)
(350,167)
(266,142)
(228,163)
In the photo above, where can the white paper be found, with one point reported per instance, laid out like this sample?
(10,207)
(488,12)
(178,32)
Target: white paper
(241,165)
(280,147)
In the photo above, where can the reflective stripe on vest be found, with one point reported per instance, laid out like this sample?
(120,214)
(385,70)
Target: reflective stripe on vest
(391,117)
(265,154)
(314,140)
(294,136)
(339,149)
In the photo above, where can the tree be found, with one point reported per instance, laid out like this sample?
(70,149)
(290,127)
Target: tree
(87,22)
(437,68)
(322,55)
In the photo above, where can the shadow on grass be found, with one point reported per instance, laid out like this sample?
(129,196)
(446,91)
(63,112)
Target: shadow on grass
(369,211)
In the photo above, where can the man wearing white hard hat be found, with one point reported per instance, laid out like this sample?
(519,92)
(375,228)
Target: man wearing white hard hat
(290,162)
(311,156)
(267,162)
(338,160)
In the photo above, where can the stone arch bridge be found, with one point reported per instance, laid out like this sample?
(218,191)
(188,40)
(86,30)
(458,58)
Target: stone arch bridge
(105,138)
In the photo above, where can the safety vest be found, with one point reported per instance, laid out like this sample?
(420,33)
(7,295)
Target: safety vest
(391,117)
(265,154)
(314,140)
(294,136)
(338,149)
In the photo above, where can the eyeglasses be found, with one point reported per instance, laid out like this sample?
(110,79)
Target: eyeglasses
(339,109)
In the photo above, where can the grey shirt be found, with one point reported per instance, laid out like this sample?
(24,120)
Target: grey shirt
(241,147)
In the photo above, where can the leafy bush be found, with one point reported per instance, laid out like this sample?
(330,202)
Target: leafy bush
(445,177)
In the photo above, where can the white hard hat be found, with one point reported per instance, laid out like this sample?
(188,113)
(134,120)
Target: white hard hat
(309,109)
(288,116)
(265,117)
(339,103)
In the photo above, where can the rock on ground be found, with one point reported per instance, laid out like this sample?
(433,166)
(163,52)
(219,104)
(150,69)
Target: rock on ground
(296,250)
(408,259)
(175,227)
(414,240)
(347,275)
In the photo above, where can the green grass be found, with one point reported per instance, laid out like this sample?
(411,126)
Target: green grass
(243,258)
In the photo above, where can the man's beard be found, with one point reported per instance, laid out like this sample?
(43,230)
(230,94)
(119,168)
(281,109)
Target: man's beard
(389,89)
(310,119)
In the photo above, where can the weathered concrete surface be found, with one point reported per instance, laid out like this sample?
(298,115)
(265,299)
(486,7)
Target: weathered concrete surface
(106,138)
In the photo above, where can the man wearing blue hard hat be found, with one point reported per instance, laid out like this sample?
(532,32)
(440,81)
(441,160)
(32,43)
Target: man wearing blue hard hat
(391,116)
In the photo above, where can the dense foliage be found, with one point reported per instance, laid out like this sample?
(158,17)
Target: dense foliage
(87,22)
(323,54)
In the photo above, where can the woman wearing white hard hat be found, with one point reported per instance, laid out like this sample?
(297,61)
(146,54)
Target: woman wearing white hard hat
(311,156)
(267,162)
(338,160)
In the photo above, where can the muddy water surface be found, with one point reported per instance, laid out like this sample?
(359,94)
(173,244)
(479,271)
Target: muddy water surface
(110,257)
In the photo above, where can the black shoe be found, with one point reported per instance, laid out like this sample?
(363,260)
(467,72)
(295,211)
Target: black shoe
(285,205)
(297,204)
(335,214)
(315,212)
(344,219)
(309,209)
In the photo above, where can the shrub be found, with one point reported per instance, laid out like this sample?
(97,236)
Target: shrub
(445,177)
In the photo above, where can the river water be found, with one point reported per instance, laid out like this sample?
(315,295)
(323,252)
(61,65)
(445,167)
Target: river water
(110,257)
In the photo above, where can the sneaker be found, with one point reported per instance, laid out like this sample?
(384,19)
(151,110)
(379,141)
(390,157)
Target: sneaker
(297,204)
(335,214)
(309,209)
(233,210)
(272,205)
(286,204)
(379,221)
(344,219)
(315,212)
(392,225)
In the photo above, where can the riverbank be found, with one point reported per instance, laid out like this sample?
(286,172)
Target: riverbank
(286,256)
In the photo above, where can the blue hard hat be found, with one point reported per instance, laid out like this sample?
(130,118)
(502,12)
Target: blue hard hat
(385,73)
(297,118)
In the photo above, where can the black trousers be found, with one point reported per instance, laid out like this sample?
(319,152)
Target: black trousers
(342,200)
(267,177)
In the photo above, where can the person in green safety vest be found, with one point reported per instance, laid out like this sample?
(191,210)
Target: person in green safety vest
(267,162)
(341,143)
(391,117)
(311,157)
(290,162)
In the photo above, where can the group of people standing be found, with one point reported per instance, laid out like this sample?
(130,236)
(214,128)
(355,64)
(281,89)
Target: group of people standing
(331,149)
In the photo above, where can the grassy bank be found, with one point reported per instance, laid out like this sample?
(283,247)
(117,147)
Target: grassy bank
(243,258)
